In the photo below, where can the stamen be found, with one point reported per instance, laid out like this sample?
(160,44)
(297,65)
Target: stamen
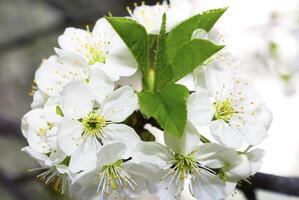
(60,182)
(224,110)
(93,125)
(114,177)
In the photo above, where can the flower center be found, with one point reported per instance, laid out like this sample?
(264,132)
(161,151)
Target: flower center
(96,56)
(185,165)
(114,177)
(224,110)
(182,167)
(93,124)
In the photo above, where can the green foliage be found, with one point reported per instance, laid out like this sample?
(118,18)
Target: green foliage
(163,60)
(167,106)
(59,111)
(190,56)
(162,71)
(182,33)
(135,37)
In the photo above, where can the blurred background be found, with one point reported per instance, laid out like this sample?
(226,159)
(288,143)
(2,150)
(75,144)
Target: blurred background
(263,34)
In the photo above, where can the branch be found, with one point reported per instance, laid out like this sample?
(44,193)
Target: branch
(278,184)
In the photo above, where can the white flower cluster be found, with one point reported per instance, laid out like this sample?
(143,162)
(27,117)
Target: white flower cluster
(77,129)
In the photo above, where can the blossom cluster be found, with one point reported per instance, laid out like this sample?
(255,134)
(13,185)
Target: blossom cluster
(78,130)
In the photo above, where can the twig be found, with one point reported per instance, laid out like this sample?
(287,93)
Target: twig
(278,184)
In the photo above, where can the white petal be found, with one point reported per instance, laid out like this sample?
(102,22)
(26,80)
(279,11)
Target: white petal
(200,109)
(39,99)
(244,90)
(42,144)
(200,80)
(215,156)
(230,187)
(134,81)
(120,59)
(208,187)
(84,158)
(71,57)
(101,84)
(123,133)
(241,170)
(264,115)
(74,40)
(179,11)
(188,82)
(157,133)
(56,72)
(225,134)
(120,104)
(109,71)
(253,132)
(162,189)
(185,144)
(200,34)
(31,119)
(255,158)
(47,76)
(77,100)
(219,82)
(69,135)
(110,153)
(152,153)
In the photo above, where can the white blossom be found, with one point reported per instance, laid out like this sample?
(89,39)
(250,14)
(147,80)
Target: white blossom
(58,71)
(151,16)
(101,48)
(87,123)
(231,108)
(115,176)
(184,162)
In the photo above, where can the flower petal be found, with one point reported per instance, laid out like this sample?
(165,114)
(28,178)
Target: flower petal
(120,104)
(253,132)
(69,135)
(208,187)
(219,82)
(110,153)
(215,156)
(255,158)
(200,109)
(241,170)
(123,133)
(153,153)
(185,144)
(77,100)
(75,40)
(225,134)
(101,84)
(84,158)
(264,115)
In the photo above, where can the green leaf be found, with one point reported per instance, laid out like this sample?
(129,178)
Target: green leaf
(152,40)
(182,33)
(59,111)
(135,37)
(167,106)
(161,69)
(190,56)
